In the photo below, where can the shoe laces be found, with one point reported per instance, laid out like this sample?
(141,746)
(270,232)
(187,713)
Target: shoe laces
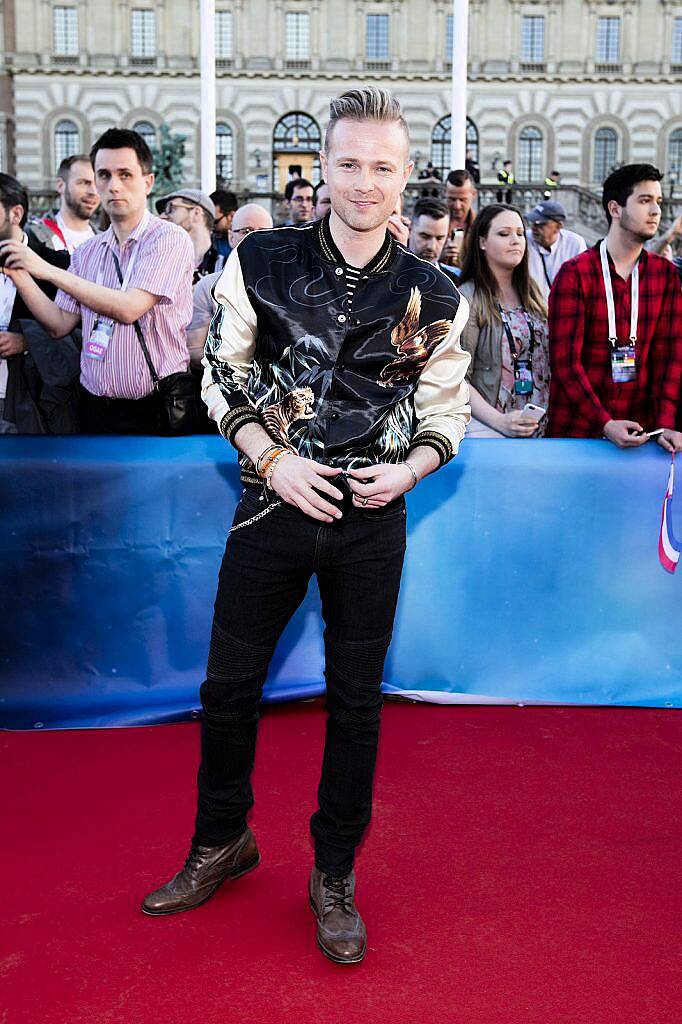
(337,893)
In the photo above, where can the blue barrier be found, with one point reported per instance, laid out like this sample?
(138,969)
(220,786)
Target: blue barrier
(531,576)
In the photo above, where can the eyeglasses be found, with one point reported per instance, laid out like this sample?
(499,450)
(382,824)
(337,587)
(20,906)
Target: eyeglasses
(243,231)
(170,206)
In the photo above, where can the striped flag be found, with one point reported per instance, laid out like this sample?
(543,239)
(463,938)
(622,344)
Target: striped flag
(668,548)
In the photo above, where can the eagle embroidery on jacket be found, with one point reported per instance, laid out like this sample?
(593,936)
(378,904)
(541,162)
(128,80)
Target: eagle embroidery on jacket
(414,343)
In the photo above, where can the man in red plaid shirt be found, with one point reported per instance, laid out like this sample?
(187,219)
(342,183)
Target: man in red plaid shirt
(618,387)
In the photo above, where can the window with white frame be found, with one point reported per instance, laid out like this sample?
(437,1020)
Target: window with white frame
(142,34)
(148,132)
(224,153)
(605,153)
(224,39)
(297,35)
(675,156)
(533,39)
(449,37)
(65,31)
(676,50)
(608,41)
(376,37)
(67,141)
(441,143)
(530,154)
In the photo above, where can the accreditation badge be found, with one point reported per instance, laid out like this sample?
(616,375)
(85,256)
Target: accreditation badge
(523,377)
(623,366)
(98,342)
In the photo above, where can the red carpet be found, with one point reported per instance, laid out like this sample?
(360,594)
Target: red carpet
(523,866)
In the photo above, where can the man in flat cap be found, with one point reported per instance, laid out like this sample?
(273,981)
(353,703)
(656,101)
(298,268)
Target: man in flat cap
(192,210)
(550,243)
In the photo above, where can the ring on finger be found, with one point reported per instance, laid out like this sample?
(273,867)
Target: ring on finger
(364,501)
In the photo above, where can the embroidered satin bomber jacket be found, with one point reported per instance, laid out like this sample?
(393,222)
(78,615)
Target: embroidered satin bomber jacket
(348,386)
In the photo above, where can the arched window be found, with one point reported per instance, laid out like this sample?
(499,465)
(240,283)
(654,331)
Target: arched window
(605,153)
(296,143)
(224,163)
(67,141)
(441,143)
(675,156)
(530,155)
(148,132)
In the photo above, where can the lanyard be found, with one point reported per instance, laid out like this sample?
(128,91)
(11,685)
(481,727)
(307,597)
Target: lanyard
(133,257)
(510,337)
(543,260)
(610,306)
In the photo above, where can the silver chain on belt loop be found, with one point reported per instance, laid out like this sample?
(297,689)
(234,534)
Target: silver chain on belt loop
(254,519)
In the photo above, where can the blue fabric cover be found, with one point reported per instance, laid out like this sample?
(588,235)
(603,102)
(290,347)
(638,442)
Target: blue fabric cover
(531,575)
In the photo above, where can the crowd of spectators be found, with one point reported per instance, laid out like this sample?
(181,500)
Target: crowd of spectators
(105,308)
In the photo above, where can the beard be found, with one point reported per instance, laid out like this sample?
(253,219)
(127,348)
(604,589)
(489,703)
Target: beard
(79,209)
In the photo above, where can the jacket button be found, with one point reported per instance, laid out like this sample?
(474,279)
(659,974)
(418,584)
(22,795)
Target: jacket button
(341,318)
(339,271)
(334,416)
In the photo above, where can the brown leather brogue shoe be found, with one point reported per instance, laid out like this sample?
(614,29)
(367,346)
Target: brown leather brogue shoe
(206,868)
(341,931)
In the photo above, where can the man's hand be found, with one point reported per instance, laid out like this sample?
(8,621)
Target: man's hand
(671,440)
(379,484)
(450,251)
(625,433)
(516,424)
(297,481)
(11,344)
(20,257)
(399,227)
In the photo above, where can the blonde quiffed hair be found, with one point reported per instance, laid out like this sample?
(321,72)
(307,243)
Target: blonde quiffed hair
(368,104)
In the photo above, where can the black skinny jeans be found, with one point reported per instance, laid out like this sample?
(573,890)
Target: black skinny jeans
(263,579)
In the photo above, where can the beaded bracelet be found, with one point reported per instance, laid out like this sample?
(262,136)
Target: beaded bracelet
(263,461)
(273,464)
(270,459)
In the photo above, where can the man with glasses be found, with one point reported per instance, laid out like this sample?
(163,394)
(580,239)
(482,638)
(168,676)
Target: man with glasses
(248,218)
(194,212)
(298,197)
(550,244)
(226,206)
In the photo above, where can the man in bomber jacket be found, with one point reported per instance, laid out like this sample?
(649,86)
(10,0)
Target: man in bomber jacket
(333,365)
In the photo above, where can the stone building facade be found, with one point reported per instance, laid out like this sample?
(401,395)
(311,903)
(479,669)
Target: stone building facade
(576,86)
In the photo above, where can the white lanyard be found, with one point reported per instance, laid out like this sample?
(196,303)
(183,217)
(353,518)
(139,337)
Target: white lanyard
(610,307)
(133,257)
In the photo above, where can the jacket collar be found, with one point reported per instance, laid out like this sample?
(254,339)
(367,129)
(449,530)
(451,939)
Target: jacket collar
(328,248)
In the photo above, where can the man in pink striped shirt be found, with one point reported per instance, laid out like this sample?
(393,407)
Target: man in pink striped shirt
(138,270)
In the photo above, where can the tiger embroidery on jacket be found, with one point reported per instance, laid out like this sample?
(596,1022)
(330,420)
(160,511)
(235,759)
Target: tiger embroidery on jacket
(296,405)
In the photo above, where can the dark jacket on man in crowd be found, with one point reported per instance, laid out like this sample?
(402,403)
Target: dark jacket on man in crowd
(42,382)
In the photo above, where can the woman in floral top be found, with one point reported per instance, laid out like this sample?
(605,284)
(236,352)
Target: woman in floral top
(507,329)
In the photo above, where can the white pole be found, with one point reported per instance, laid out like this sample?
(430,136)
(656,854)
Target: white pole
(460,50)
(207,65)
